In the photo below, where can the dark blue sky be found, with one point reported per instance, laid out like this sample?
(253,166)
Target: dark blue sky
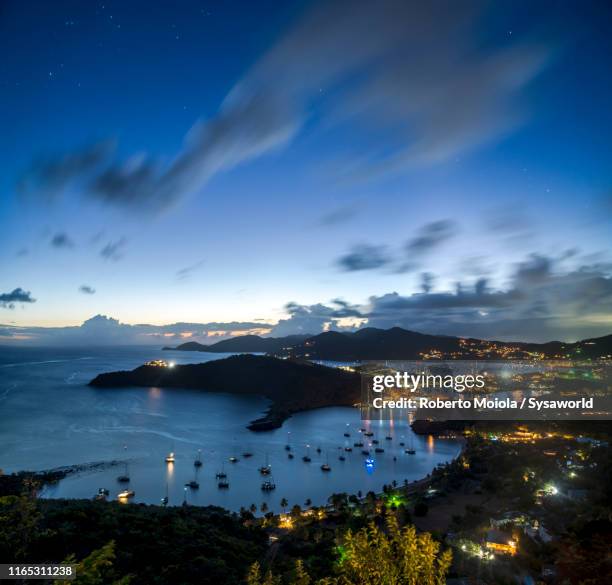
(441,166)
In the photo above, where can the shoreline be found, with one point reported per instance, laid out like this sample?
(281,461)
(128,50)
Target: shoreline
(291,386)
(39,480)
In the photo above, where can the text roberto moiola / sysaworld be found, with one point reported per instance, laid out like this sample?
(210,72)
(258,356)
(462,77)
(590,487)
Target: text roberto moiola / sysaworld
(459,383)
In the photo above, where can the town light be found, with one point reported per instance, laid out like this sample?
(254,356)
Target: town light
(551,490)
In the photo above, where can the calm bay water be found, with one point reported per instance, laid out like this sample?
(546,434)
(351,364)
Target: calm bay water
(49,418)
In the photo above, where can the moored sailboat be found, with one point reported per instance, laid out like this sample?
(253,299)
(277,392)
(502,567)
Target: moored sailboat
(265,469)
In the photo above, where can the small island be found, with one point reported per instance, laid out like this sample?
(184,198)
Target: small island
(291,385)
(243,344)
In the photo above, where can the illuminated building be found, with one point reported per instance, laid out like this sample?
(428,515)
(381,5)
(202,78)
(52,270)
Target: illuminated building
(500,542)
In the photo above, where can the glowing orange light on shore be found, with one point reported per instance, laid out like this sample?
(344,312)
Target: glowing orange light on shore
(430,443)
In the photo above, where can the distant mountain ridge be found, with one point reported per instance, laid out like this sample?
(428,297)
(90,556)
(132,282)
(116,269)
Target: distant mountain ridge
(401,344)
(243,343)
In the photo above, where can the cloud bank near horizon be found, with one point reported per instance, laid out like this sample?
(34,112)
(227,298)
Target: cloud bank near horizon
(545,299)
(104,330)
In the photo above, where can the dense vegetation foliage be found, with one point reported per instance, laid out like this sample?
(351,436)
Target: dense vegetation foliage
(154,545)
(376,556)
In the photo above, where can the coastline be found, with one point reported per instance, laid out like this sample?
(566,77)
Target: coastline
(39,480)
(291,386)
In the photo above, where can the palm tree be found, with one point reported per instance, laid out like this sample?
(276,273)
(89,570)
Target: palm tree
(284,503)
(371,500)
(246,514)
(338,501)
(308,502)
(263,507)
(253,508)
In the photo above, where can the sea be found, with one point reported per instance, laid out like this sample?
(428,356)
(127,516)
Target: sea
(50,418)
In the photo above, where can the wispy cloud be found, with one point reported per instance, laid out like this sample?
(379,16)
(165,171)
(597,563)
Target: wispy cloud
(114,250)
(186,272)
(339,215)
(364,257)
(415,70)
(87,290)
(373,257)
(61,240)
(428,238)
(49,176)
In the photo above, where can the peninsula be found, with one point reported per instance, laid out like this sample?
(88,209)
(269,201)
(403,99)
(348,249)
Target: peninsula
(291,385)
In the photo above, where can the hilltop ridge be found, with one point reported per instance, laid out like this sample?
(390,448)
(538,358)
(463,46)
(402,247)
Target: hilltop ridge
(401,344)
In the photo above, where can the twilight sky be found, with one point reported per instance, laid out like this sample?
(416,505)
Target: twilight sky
(212,168)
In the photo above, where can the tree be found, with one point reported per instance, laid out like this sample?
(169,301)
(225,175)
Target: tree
(19,519)
(371,501)
(253,508)
(338,501)
(153,543)
(301,576)
(263,507)
(308,502)
(374,556)
(254,576)
(284,503)
(97,568)
(397,557)
(246,514)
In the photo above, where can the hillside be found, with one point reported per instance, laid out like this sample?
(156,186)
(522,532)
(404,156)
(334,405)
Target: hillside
(401,344)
